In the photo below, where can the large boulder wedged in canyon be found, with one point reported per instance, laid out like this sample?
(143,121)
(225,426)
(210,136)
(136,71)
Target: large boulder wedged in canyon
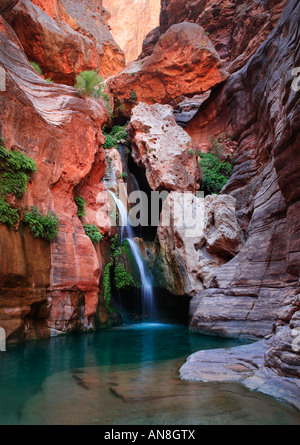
(162,147)
(197,238)
(236,28)
(184,62)
(66,38)
(62,133)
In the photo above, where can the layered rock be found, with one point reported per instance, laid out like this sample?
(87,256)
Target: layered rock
(162,147)
(267,267)
(130,22)
(62,133)
(236,29)
(184,62)
(65,38)
(257,292)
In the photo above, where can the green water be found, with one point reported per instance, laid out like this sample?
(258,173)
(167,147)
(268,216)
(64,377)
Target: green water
(124,376)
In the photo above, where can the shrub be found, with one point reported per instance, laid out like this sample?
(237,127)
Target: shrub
(118,133)
(93,233)
(41,225)
(191,152)
(8,215)
(215,174)
(80,202)
(123,279)
(107,287)
(86,83)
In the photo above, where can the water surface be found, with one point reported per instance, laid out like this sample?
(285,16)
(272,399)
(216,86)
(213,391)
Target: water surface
(125,376)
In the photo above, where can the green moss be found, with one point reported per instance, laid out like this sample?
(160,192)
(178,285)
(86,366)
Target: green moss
(41,225)
(93,233)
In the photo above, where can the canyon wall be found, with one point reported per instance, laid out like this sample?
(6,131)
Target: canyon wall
(66,37)
(130,21)
(49,288)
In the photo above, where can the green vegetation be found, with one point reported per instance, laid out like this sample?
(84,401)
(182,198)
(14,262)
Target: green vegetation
(90,84)
(80,202)
(87,84)
(133,96)
(15,171)
(92,231)
(41,225)
(123,279)
(37,67)
(191,152)
(116,273)
(118,133)
(216,167)
(8,215)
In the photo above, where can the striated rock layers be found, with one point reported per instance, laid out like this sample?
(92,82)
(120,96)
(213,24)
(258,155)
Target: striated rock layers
(236,28)
(256,294)
(67,37)
(130,21)
(259,105)
(49,288)
(184,62)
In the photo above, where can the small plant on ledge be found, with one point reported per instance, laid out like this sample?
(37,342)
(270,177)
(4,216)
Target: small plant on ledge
(41,225)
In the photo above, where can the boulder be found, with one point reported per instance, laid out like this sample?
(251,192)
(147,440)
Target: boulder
(162,147)
(194,245)
(184,62)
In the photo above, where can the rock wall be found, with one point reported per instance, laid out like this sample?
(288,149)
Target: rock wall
(55,286)
(260,106)
(130,21)
(65,38)
(236,28)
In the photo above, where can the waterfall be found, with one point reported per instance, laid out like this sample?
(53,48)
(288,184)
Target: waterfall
(146,279)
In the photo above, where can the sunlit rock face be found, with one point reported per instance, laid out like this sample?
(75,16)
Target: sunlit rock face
(66,37)
(55,286)
(130,22)
(184,61)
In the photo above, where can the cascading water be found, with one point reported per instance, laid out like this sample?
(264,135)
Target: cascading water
(146,279)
